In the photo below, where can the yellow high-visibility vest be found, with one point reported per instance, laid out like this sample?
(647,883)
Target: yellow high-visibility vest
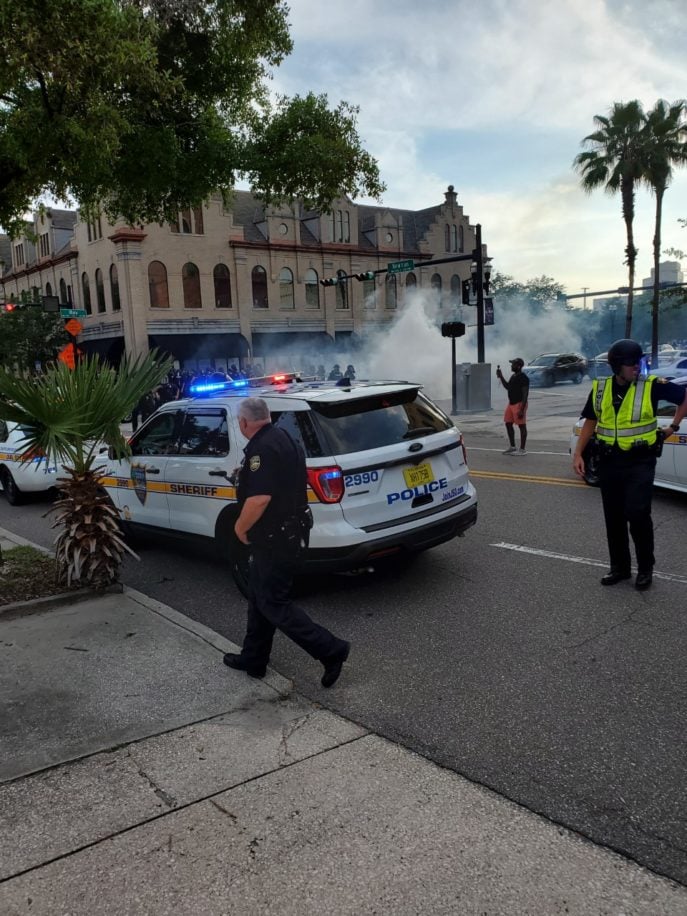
(635,420)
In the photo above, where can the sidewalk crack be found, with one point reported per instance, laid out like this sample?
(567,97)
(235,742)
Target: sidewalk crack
(168,799)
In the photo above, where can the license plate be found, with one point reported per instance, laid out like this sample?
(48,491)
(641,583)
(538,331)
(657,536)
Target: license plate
(421,473)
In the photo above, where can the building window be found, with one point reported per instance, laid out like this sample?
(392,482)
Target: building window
(157,285)
(341,226)
(100,290)
(190,279)
(186,226)
(174,227)
(48,289)
(188,221)
(411,281)
(198,220)
(285,289)
(435,282)
(114,288)
(341,290)
(461,239)
(390,292)
(447,237)
(63,292)
(45,245)
(86,292)
(222,281)
(94,228)
(312,290)
(455,290)
(19,254)
(259,283)
(454,238)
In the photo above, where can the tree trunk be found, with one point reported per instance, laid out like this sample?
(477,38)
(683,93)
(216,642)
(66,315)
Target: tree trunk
(630,251)
(657,254)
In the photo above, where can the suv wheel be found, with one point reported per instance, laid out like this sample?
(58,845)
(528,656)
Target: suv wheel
(577,378)
(233,552)
(13,494)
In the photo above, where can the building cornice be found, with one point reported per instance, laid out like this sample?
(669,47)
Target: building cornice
(127,235)
(330,249)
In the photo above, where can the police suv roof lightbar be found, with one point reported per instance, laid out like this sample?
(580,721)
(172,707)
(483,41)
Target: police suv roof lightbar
(207,388)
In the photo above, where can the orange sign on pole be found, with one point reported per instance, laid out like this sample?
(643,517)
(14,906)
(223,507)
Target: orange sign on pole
(66,356)
(73,327)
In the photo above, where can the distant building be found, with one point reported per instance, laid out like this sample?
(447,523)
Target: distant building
(230,284)
(669,272)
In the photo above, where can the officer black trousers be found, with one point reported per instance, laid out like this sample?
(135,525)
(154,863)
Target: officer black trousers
(627,484)
(270,608)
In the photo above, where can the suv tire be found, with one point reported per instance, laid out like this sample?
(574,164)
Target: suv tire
(230,550)
(577,378)
(13,494)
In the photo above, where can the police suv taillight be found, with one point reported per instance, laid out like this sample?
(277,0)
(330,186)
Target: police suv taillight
(327,483)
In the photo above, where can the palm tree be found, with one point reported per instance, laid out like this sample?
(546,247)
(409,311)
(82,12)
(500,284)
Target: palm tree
(68,416)
(664,145)
(614,162)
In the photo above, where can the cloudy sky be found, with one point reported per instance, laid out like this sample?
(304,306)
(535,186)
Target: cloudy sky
(495,98)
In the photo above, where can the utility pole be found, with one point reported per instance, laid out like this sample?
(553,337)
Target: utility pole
(480,293)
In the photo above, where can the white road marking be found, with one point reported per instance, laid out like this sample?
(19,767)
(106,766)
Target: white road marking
(586,561)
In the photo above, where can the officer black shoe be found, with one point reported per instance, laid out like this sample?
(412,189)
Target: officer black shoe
(333,666)
(231,660)
(615,575)
(644,580)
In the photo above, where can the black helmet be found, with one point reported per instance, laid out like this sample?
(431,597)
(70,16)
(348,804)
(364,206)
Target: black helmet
(624,352)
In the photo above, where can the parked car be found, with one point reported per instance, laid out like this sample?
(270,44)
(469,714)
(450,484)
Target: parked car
(21,473)
(387,469)
(671,370)
(597,366)
(671,467)
(550,368)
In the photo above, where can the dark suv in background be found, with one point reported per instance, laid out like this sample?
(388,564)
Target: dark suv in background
(550,368)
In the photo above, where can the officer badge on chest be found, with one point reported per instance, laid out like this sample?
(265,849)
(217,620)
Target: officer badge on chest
(254,463)
(138,476)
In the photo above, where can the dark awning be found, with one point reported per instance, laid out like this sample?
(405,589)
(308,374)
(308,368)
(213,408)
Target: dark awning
(200,346)
(271,344)
(109,349)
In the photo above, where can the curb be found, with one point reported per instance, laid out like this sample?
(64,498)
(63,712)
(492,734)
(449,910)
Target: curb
(38,605)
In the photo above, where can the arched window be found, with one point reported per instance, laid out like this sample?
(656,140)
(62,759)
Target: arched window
(454,238)
(285,289)
(100,291)
(312,289)
(390,292)
(114,288)
(259,282)
(341,290)
(86,292)
(190,280)
(447,238)
(186,226)
(198,220)
(63,292)
(222,281)
(48,289)
(157,285)
(411,281)
(455,290)
(435,282)
(461,239)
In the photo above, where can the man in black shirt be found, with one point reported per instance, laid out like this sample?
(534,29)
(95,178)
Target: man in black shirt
(273,522)
(518,388)
(621,411)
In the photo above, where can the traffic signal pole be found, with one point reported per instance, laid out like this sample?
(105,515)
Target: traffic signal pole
(480,293)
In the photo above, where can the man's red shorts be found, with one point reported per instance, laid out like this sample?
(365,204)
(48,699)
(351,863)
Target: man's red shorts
(515,414)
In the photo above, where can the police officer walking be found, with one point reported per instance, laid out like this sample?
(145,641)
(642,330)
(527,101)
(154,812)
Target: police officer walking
(274,522)
(621,410)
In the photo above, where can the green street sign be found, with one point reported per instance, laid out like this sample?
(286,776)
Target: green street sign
(399,267)
(73,313)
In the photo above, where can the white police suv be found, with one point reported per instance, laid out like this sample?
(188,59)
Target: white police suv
(21,473)
(387,469)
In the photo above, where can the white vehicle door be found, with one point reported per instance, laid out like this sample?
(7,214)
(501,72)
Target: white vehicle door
(671,467)
(197,484)
(137,484)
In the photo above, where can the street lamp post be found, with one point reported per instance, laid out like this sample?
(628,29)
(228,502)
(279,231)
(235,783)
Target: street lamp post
(478,288)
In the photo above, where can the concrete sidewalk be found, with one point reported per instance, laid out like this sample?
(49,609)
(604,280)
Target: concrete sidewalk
(139,775)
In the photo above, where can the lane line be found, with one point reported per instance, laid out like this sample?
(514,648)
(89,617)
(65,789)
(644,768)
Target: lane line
(586,561)
(528,478)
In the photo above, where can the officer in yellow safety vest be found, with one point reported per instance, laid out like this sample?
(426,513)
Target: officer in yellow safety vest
(621,412)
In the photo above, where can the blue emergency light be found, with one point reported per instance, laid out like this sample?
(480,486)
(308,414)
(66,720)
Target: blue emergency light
(214,387)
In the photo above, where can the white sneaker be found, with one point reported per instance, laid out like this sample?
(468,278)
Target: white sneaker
(511,450)
(520,451)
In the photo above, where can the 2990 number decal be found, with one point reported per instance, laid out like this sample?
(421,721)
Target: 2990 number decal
(357,480)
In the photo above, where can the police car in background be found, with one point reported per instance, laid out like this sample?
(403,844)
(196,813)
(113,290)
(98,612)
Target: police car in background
(387,469)
(671,466)
(21,473)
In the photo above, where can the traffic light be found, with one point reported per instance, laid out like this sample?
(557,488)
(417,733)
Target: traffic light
(8,307)
(329,281)
(452,329)
(365,275)
(465,287)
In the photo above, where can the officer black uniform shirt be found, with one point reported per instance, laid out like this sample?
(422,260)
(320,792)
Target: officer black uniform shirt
(661,390)
(274,465)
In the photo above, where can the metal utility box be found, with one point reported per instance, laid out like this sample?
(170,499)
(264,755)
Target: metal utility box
(473,387)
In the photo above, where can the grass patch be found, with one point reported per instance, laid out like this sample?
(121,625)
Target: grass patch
(27,573)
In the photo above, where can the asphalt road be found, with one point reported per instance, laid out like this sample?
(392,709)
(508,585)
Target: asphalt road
(499,655)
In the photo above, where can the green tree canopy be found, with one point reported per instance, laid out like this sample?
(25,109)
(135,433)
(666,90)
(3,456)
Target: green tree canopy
(29,335)
(144,107)
(534,293)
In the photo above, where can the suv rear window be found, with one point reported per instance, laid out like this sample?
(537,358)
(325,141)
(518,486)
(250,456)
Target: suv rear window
(354,426)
